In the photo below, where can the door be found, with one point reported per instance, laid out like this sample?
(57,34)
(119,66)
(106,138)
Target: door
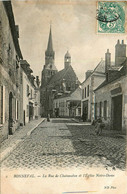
(31,111)
(24,117)
(117,112)
(85,110)
(10,114)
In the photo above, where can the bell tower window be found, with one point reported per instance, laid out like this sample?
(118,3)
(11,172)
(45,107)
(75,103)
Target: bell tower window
(67,60)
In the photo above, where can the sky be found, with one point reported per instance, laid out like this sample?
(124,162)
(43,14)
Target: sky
(74,28)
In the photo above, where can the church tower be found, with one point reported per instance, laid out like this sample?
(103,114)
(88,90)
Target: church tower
(67,60)
(49,67)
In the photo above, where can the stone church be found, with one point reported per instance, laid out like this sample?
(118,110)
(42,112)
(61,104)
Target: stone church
(53,82)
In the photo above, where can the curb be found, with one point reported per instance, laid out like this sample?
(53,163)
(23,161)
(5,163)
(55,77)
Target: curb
(18,141)
(84,123)
(29,132)
(9,152)
(75,120)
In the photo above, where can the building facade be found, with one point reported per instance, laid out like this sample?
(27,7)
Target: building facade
(19,92)
(111,95)
(30,94)
(68,104)
(92,81)
(10,55)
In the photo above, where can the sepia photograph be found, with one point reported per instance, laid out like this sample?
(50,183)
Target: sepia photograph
(63,96)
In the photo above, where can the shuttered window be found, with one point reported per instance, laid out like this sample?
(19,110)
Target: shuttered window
(2,104)
(105,110)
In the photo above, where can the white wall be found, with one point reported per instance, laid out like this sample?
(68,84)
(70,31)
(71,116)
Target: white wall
(26,99)
(105,94)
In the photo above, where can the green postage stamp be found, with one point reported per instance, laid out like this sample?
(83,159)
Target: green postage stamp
(111,17)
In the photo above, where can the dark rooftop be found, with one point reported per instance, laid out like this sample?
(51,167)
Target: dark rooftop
(9,11)
(114,74)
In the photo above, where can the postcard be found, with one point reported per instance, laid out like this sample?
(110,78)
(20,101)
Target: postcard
(63,96)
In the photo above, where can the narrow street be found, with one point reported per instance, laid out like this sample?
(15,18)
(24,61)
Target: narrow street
(65,143)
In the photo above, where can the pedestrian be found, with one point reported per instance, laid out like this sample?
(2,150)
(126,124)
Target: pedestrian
(48,117)
(99,126)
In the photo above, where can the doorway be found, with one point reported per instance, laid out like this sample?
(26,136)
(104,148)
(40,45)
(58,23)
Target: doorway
(10,114)
(24,117)
(31,111)
(117,112)
(85,111)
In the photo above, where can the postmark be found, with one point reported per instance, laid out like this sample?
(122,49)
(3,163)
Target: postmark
(111,17)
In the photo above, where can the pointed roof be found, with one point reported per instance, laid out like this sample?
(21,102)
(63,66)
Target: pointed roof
(50,44)
(60,75)
(67,55)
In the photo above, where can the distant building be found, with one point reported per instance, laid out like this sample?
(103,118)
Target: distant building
(30,94)
(54,82)
(37,98)
(111,95)
(68,104)
(10,55)
(92,81)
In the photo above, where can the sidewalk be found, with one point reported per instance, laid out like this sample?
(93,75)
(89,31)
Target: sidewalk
(8,145)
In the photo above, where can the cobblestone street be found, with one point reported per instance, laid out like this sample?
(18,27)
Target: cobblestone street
(64,143)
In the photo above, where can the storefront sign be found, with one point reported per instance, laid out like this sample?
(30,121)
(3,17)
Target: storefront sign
(116,91)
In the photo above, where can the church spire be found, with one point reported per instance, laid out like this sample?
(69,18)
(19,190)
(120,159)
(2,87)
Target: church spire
(50,44)
(49,53)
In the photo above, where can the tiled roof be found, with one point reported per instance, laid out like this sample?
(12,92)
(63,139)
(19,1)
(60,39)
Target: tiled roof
(26,68)
(100,68)
(59,75)
(114,75)
(68,94)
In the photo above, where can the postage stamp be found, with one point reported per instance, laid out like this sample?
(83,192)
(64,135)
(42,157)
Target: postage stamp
(111,17)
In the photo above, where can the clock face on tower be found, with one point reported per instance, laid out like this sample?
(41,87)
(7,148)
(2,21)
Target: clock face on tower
(67,60)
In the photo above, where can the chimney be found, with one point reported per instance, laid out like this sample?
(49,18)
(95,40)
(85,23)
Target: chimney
(120,53)
(88,73)
(17,30)
(37,81)
(122,41)
(118,41)
(107,60)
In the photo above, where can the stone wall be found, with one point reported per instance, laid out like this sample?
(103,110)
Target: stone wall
(9,74)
